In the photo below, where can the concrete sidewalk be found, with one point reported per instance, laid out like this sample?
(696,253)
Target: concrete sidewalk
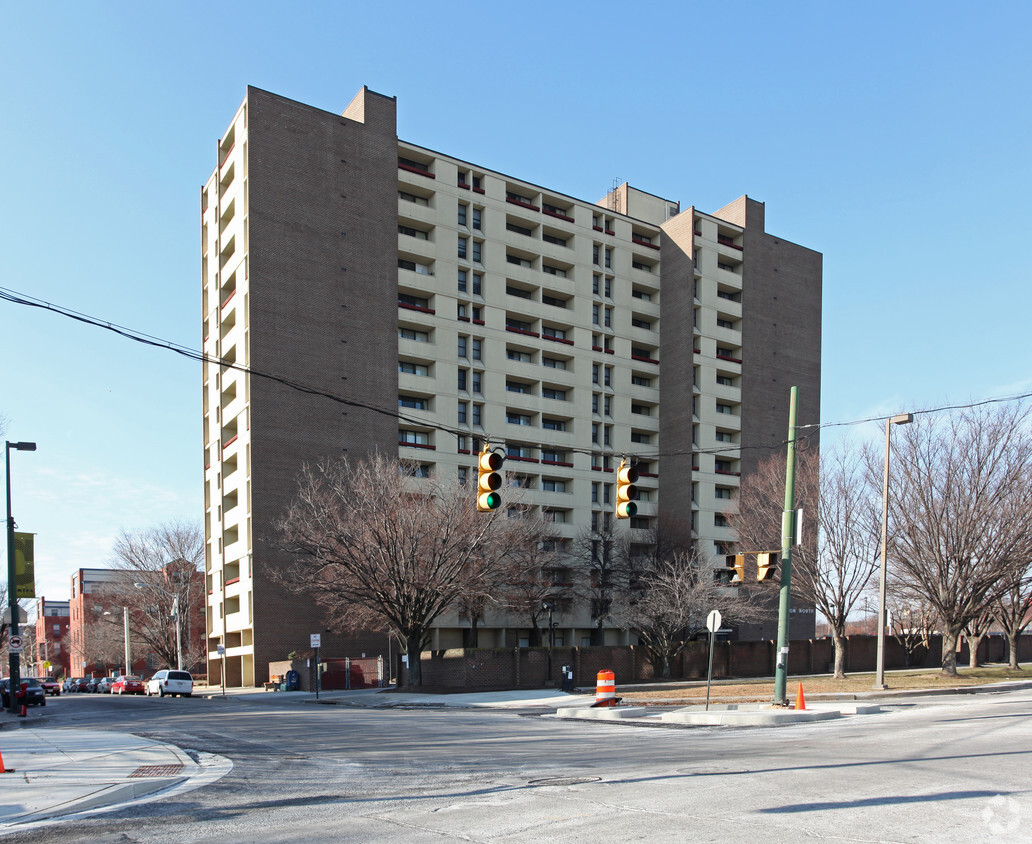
(51,772)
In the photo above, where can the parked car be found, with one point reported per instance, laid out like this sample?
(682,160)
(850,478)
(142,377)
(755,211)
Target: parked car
(34,694)
(104,684)
(82,684)
(170,682)
(68,685)
(50,685)
(91,684)
(128,686)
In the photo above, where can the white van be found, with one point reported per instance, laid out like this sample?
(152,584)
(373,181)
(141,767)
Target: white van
(170,682)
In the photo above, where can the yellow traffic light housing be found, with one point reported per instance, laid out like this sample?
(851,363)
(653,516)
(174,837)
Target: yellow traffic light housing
(489,479)
(766,565)
(733,571)
(626,491)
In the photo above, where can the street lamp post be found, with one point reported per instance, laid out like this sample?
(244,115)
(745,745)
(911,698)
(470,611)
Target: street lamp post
(175,612)
(14,664)
(879,679)
(128,650)
(549,606)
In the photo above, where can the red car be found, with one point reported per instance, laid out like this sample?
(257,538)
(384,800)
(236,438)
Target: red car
(50,685)
(127,686)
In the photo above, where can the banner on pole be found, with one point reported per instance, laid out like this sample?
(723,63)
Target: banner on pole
(24,566)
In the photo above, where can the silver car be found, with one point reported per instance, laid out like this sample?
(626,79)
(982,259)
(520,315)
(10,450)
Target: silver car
(170,682)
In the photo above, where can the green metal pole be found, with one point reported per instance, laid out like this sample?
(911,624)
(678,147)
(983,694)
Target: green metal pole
(787,541)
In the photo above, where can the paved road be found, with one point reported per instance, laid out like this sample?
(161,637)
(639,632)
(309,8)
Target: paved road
(946,769)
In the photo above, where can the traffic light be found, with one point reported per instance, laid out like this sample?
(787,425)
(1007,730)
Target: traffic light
(733,571)
(626,491)
(489,479)
(766,565)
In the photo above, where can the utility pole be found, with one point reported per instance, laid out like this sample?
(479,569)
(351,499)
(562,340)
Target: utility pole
(787,541)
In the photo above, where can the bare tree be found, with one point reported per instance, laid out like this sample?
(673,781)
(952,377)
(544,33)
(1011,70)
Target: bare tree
(961,512)
(976,630)
(601,574)
(167,560)
(378,547)
(535,574)
(834,563)
(911,622)
(670,601)
(1013,612)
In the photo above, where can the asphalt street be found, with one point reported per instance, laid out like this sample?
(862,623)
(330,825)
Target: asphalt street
(951,768)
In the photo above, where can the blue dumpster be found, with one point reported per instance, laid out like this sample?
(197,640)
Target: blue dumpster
(292,681)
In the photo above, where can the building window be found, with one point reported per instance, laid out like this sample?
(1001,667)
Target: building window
(548,268)
(413,301)
(463,244)
(518,229)
(478,344)
(719,520)
(550,393)
(637,322)
(416,437)
(463,412)
(554,301)
(419,234)
(553,485)
(594,372)
(725,380)
(607,492)
(518,387)
(596,284)
(724,408)
(413,368)
(514,418)
(414,402)
(463,210)
(411,197)
(552,455)
(641,381)
(476,382)
(607,406)
(595,313)
(641,409)
(478,414)
(553,363)
(557,333)
(478,256)
(594,432)
(462,379)
(641,294)
(724,323)
(638,265)
(722,492)
(412,334)
(608,317)
(594,402)
(518,292)
(609,257)
(549,238)
(517,355)
(462,344)
(518,261)
(639,437)
(608,377)
(553,424)
(462,281)
(607,435)
(478,284)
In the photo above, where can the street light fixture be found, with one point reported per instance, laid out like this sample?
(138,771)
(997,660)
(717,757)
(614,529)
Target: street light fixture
(175,612)
(14,660)
(879,679)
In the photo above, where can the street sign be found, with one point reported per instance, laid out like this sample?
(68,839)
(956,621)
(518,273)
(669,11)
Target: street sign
(316,640)
(220,648)
(713,621)
(15,645)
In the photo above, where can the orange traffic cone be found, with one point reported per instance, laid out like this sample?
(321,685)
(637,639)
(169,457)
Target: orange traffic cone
(4,770)
(800,701)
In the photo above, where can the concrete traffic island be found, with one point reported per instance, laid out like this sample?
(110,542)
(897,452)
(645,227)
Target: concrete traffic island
(727,714)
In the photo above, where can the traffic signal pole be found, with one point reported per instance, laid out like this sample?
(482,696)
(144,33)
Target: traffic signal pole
(787,541)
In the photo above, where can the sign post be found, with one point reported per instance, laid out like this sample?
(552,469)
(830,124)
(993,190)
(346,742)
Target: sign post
(316,642)
(713,621)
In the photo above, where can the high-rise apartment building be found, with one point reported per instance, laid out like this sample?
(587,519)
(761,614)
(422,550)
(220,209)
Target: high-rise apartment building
(343,261)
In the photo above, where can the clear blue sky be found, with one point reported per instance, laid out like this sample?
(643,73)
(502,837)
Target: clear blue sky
(892,137)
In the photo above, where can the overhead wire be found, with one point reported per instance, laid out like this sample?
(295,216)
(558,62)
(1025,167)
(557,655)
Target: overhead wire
(17,298)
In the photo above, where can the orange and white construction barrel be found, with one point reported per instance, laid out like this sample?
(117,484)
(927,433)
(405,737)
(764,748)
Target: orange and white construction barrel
(605,689)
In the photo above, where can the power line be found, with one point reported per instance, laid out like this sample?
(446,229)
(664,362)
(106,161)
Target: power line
(192,354)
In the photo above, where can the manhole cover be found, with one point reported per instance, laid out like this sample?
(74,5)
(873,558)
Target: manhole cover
(564,781)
